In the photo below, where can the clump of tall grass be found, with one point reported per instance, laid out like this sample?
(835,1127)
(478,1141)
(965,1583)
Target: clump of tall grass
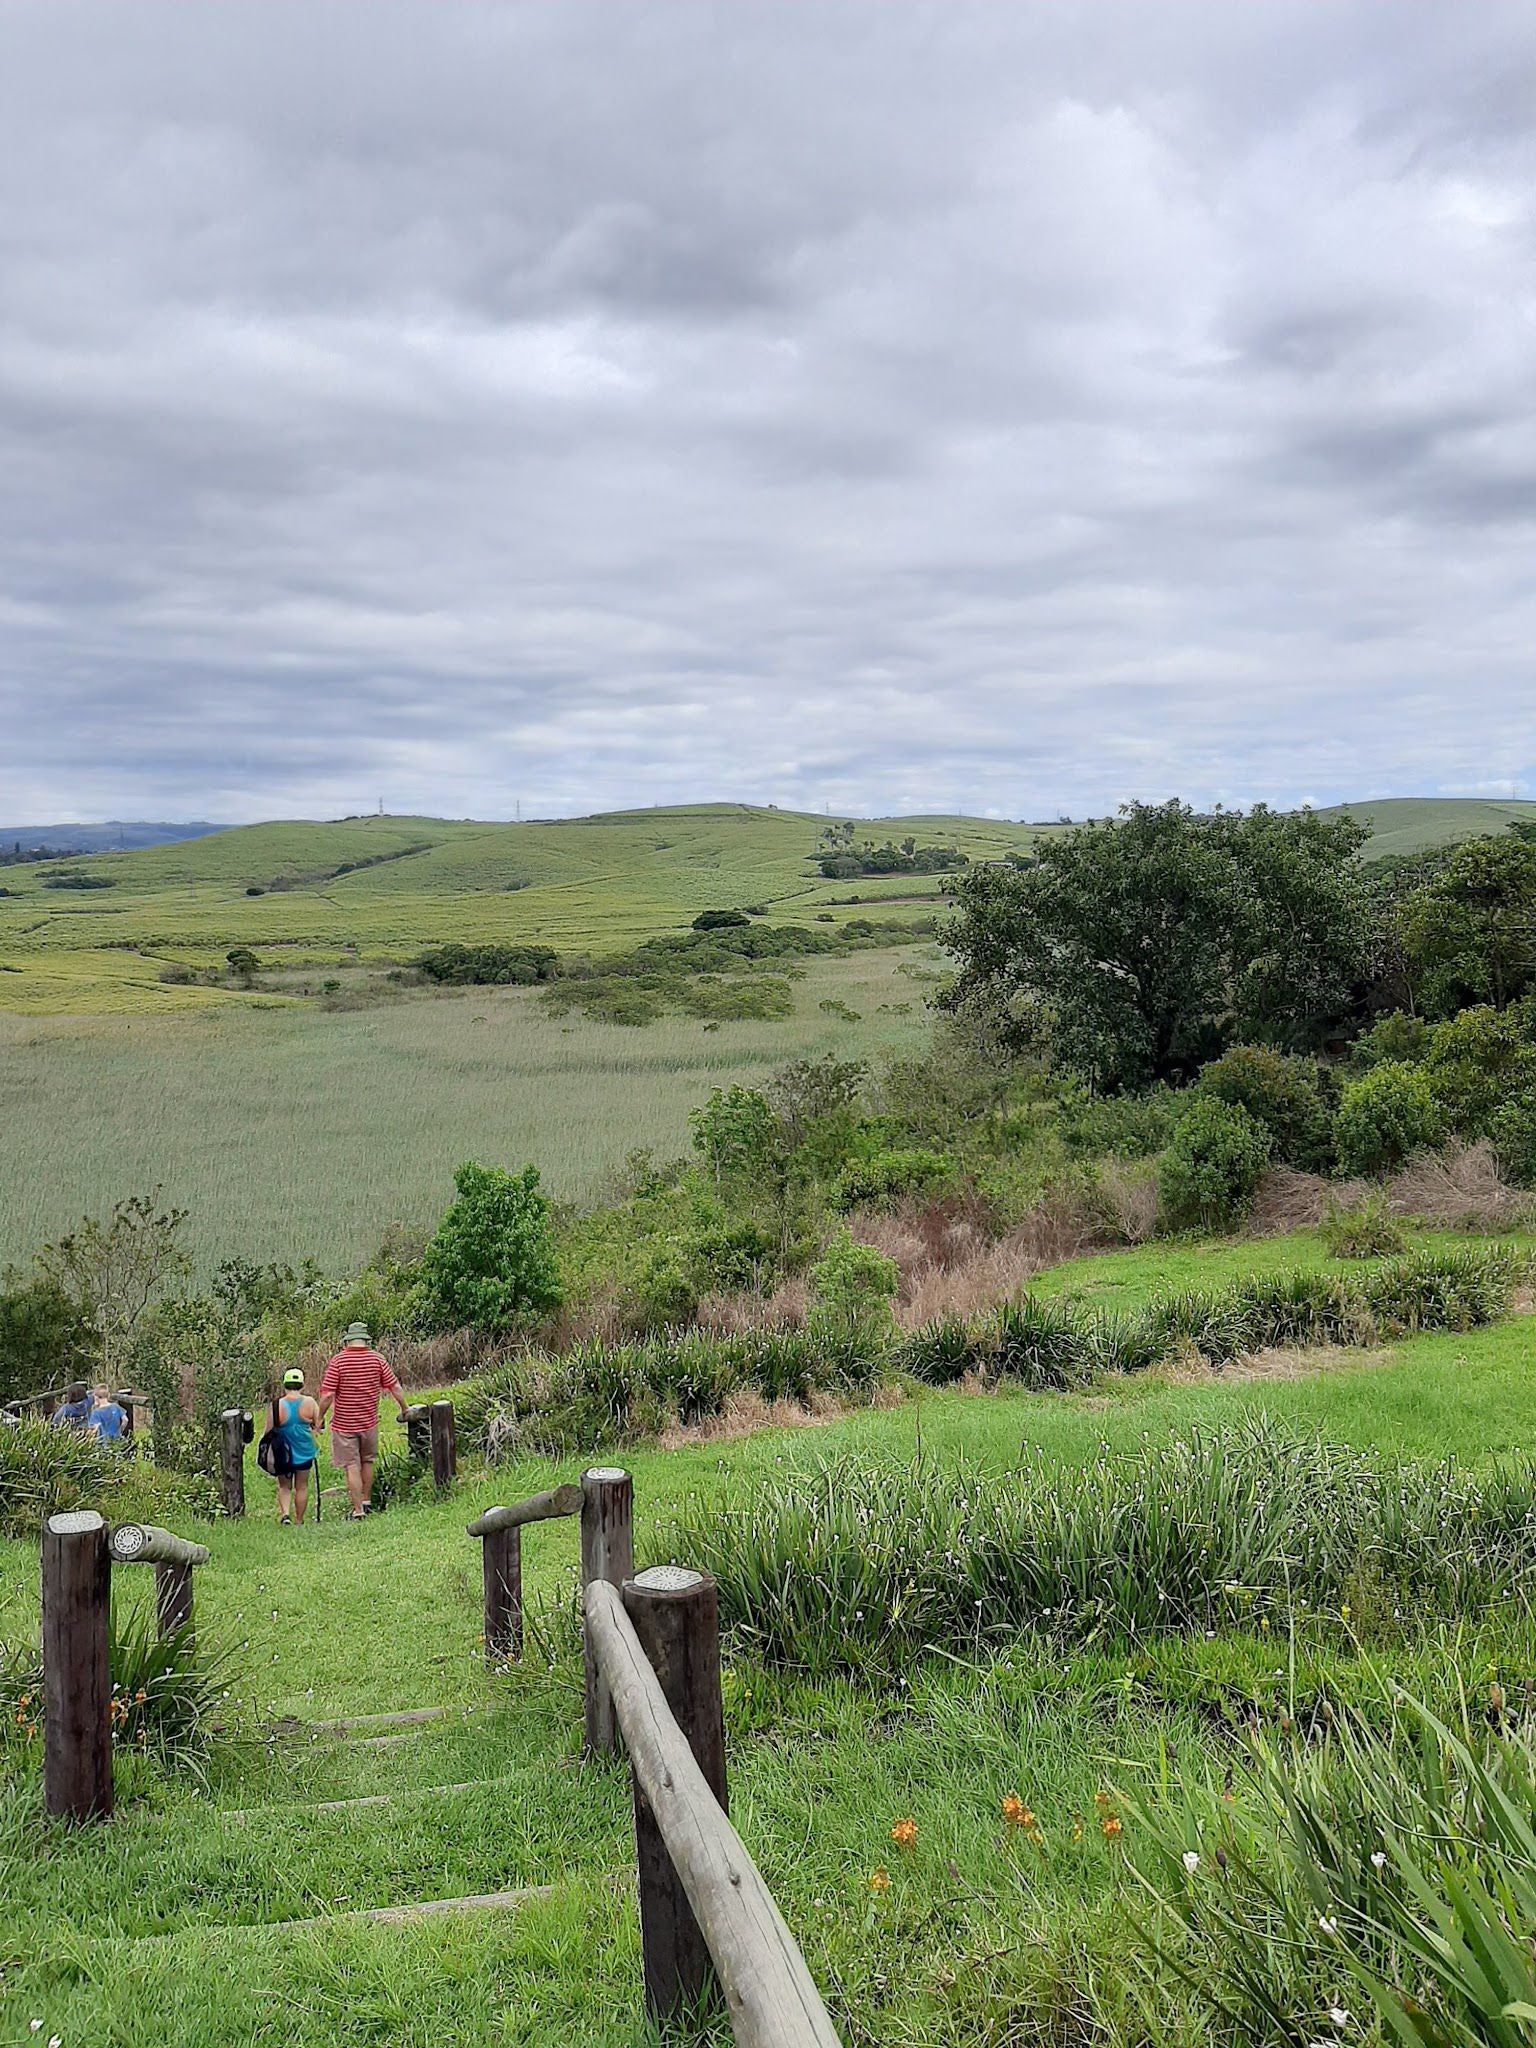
(602,1393)
(1386,1874)
(46,1471)
(848,1565)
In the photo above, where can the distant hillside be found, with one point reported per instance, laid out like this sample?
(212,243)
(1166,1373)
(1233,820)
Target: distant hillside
(366,893)
(117,836)
(1414,824)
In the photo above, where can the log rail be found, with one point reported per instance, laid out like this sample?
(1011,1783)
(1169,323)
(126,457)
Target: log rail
(770,1996)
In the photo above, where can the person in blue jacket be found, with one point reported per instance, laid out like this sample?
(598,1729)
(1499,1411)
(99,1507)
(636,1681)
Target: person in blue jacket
(74,1411)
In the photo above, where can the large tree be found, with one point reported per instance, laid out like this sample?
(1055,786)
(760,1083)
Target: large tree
(1139,947)
(1469,933)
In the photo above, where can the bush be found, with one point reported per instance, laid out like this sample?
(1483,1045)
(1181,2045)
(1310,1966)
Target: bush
(887,1176)
(45,1338)
(1369,1230)
(1513,1131)
(719,920)
(1279,1093)
(1208,1174)
(852,1287)
(1384,1118)
(1042,1343)
(491,1265)
(1477,1063)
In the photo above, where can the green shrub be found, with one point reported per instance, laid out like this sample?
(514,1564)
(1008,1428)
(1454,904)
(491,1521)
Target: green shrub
(1281,1094)
(663,1296)
(491,1265)
(887,1176)
(1384,1118)
(1477,1063)
(46,1339)
(1397,1037)
(852,1287)
(1207,1176)
(1513,1131)
(1127,1126)
(1368,1230)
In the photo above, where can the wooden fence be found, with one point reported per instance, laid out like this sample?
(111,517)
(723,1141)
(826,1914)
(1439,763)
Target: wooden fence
(652,1654)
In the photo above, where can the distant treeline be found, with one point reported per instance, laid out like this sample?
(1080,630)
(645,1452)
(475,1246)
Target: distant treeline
(840,859)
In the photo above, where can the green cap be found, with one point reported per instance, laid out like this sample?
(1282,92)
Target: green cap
(357,1333)
(293,1377)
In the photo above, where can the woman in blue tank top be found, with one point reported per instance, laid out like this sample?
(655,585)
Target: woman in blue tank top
(298,1417)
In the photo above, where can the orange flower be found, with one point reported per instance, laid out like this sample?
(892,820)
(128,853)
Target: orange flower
(1016,1813)
(879,1880)
(1112,1825)
(904,1834)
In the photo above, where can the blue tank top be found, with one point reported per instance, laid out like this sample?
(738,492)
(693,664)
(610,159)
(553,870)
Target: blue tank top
(302,1447)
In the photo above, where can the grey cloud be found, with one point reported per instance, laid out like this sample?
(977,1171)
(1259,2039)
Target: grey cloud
(891,405)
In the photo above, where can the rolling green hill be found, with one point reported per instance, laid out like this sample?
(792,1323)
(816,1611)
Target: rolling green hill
(98,935)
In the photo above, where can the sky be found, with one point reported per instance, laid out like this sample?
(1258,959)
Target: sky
(1014,407)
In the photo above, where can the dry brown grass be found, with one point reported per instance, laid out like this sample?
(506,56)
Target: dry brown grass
(952,1263)
(1459,1188)
(745,1413)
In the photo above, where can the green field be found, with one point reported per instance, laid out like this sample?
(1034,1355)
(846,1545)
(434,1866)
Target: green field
(166,1926)
(293,1132)
(586,885)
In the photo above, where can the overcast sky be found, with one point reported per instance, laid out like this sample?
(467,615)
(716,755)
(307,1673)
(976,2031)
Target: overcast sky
(1012,407)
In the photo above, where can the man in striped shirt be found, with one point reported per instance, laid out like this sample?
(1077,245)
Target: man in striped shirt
(351,1386)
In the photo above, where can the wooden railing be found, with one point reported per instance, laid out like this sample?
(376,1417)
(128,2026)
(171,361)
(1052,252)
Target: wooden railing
(652,1652)
(706,1915)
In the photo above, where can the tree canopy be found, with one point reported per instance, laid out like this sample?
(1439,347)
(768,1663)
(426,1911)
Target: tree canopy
(1138,947)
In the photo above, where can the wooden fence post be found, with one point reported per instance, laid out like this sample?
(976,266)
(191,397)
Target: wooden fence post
(232,1459)
(501,1557)
(77,1683)
(675,1614)
(418,1432)
(607,1552)
(445,1449)
(124,1399)
(173,1599)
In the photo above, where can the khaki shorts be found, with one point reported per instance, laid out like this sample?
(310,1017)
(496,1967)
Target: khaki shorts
(361,1446)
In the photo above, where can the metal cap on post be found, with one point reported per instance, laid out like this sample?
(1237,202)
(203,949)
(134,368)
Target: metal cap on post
(77,1683)
(675,1613)
(607,1553)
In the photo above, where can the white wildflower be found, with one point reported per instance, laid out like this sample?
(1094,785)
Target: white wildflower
(1191,1861)
(1378,1859)
(1338,2015)
(1327,1924)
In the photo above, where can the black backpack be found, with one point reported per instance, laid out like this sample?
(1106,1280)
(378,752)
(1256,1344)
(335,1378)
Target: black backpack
(274,1454)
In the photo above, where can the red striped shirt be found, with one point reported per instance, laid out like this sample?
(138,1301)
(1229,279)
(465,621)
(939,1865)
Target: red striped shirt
(356,1378)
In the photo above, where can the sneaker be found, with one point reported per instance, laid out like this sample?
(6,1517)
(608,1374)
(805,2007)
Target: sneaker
(284,1520)
(356,1515)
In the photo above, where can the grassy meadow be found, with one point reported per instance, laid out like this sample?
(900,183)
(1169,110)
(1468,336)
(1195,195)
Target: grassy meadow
(293,1132)
(166,1926)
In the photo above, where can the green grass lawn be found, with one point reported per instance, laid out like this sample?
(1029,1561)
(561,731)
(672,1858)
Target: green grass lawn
(162,1926)
(291,1132)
